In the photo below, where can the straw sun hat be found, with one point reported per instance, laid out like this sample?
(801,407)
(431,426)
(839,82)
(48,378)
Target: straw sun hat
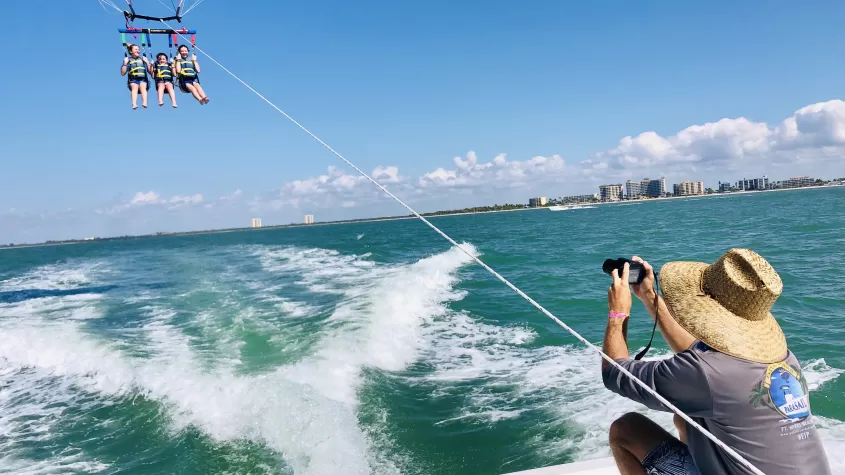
(727,304)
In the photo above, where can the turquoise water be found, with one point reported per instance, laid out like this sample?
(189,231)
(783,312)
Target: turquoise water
(373,347)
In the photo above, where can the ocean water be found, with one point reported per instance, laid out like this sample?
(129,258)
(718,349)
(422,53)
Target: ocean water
(374,347)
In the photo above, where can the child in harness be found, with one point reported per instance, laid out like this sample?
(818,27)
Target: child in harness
(187,74)
(163,73)
(136,66)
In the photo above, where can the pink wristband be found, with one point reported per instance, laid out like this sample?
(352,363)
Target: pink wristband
(616,315)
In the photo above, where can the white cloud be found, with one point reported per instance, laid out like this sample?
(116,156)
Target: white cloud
(386,175)
(141,198)
(233,196)
(186,200)
(152,198)
(145,199)
(498,172)
(817,129)
(810,141)
(337,188)
(810,135)
(816,125)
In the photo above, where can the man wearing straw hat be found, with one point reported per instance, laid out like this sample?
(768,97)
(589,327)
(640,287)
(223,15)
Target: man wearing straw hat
(732,373)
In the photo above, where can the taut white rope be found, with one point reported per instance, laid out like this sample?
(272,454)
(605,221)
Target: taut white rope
(195,5)
(607,358)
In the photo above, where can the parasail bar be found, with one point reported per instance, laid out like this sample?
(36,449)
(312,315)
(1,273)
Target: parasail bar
(157,31)
(132,16)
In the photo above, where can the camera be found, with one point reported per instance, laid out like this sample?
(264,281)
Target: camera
(636,272)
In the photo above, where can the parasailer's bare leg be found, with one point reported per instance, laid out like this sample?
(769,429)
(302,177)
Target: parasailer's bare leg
(171,93)
(160,87)
(143,87)
(133,88)
(193,88)
(204,99)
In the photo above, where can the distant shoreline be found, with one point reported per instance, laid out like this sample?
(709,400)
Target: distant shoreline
(234,230)
(730,193)
(397,218)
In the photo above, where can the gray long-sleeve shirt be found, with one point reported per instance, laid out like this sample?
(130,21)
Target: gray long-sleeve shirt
(762,411)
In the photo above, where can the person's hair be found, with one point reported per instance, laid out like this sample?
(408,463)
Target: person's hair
(182,46)
(129,47)
(160,55)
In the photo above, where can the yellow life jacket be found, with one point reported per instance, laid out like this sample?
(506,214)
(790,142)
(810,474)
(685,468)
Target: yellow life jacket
(163,72)
(137,69)
(186,68)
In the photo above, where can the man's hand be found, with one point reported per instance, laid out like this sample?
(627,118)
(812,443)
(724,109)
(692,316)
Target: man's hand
(645,290)
(619,295)
(125,61)
(675,335)
(618,301)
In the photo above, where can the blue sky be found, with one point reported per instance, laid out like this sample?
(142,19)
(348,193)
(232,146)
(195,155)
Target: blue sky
(412,86)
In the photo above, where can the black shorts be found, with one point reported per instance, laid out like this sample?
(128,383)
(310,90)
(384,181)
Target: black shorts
(672,457)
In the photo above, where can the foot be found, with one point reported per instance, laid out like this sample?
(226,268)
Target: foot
(134,106)
(205,100)
(144,106)
(175,106)
(161,103)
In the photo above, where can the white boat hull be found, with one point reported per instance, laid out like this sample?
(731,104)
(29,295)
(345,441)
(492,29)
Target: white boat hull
(568,207)
(603,466)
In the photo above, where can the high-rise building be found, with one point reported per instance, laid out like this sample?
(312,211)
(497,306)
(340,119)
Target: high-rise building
(752,184)
(655,188)
(633,189)
(579,198)
(688,188)
(255,223)
(537,202)
(309,219)
(645,187)
(798,182)
(611,192)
